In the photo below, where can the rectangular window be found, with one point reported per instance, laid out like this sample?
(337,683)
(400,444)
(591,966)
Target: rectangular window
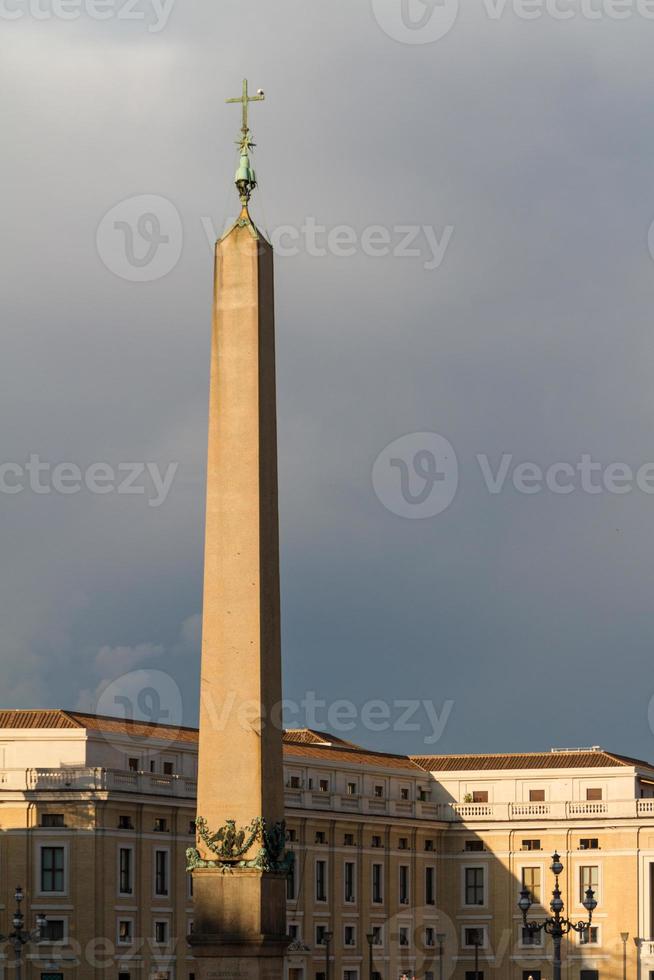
(379,792)
(125,822)
(474,886)
(531,975)
(348,840)
(161,931)
(404,884)
(589,844)
(350,975)
(52,820)
(430,889)
(54,931)
(294,782)
(429,936)
(293,930)
(125,870)
(473,937)
(473,845)
(404,935)
(531,881)
(403,843)
(480,796)
(52,869)
(404,793)
(377,884)
(160,825)
(529,938)
(376,841)
(531,845)
(290,883)
(321,881)
(349,936)
(161,872)
(536,795)
(124,976)
(320,837)
(590,937)
(351,789)
(429,844)
(471,975)
(168,768)
(377,936)
(594,794)
(125,931)
(320,935)
(133,765)
(323,785)
(291,834)
(589,975)
(588,878)
(348,881)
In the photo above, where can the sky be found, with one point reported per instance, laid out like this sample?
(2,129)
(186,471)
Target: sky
(461,198)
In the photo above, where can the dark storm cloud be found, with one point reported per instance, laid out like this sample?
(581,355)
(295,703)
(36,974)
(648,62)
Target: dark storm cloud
(532,613)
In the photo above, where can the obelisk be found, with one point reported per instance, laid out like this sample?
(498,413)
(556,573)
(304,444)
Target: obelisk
(239,866)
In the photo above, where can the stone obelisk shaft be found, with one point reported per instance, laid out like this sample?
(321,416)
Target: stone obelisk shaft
(239,918)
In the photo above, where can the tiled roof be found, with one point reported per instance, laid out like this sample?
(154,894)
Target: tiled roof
(311,736)
(36,719)
(352,756)
(573,759)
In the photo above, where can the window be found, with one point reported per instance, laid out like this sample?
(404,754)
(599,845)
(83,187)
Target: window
(377,936)
(531,845)
(52,869)
(404,884)
(54,931)
(52,820)
(377,884)
(321,881)
(125,931)
(168,768)
(474,886)
(379,792)
(589,975)
(480,796)
(350,975)
(192,828)
(588,878)
(161,931)
(290,883)
(429,936)
(160,825)
(594,794)
(589,844)
(123,976)
(320,837)
(474,936)
(376,841)
(531,975)
(536,795)
(161,872)
(348,881)
(404,793)
(293,931)
(133,765)
(152,766)
(125,870)
(53,976)
(320,935)
(529,938)
(471,975)
(291,834)
(125,823)
(531,881)
(323,785)
(348,840)
(404,935)
(351,789)
(349,936)
(403,843)
(474,845)
(295,782)
(430,890)
(590,937)
(320,975)
(429,844)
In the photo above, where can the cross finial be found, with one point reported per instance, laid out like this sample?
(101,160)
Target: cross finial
(246,179)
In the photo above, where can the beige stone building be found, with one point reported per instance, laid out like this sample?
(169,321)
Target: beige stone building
(96,815)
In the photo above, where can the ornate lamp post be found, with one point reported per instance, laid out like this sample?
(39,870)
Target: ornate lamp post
(624,936)
(440,939)
(556,925)
(370,936)
(327,938)
(20,936)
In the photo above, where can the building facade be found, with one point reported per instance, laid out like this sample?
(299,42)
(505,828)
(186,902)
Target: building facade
(403,865)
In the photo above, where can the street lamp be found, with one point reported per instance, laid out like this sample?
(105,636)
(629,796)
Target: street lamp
(370,936)
(327,939)
(440,939)
(19,936)
(556,925)
(624,936)
(476,942)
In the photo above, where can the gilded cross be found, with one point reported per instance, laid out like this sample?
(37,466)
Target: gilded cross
(245,100)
